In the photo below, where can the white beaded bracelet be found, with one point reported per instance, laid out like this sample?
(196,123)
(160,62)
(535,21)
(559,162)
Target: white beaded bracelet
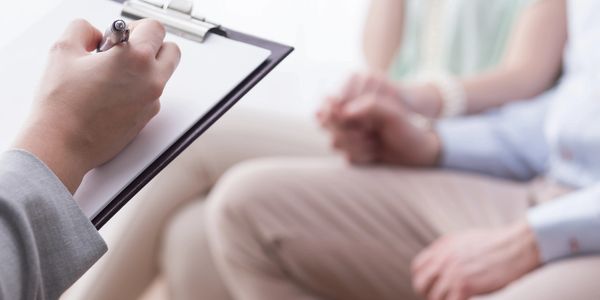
(454,100)
(420,122)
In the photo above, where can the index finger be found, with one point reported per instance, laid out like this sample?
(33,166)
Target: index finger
(148,33)
(425,280)
(80,36)
(168,58)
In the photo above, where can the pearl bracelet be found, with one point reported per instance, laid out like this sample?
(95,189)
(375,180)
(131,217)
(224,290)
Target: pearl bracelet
(454,100)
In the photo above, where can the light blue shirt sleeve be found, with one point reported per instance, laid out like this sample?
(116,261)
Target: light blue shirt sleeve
(568,226)
(508,142)
(511,143)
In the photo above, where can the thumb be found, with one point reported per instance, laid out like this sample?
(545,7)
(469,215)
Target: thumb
(80,36)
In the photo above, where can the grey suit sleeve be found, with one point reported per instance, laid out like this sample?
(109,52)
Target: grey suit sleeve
(46,242)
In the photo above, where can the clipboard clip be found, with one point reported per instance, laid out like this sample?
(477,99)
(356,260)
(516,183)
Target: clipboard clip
(176,15)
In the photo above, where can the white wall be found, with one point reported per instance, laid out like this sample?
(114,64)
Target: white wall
(326,34)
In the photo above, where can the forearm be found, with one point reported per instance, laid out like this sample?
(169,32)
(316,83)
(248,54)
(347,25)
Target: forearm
(531,64)
(485,91)
(48,140)
(383,33)
(505,85)
(493,143)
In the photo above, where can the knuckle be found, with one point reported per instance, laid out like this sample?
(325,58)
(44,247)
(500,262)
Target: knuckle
(371,104)
(463,287)
(159,26)
(175,47)
(174,54)
(155,108)
(414,266)
(177,52)
(336,143)
(156,26)
(353,159)
(462,284)
(142,56)
(156,89)
(80,23)
(419,285)
(60,46)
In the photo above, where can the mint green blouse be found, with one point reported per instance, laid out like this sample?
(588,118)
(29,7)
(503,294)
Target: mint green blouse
(469,36)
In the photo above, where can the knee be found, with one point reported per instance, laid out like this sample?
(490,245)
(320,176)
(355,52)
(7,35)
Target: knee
(250,196)
(185,234)
(245,189)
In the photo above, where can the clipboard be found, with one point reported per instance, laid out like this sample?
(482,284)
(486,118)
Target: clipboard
(278,53)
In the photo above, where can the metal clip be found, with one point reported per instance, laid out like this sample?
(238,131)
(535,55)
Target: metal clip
(176,15)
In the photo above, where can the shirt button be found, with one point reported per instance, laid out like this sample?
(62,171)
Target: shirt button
(566,154)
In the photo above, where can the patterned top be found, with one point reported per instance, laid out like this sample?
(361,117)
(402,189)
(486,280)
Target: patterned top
(457,37)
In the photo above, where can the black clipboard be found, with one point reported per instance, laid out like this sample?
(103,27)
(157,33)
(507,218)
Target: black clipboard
(278,53)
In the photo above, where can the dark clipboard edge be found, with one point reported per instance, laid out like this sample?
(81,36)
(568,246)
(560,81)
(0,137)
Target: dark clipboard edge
(278,53)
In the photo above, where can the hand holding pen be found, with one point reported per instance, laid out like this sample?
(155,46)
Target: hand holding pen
(96,104)
(117,33)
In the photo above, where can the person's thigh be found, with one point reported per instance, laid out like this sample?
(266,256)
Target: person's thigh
(187,263)
(319,229)
(569,279)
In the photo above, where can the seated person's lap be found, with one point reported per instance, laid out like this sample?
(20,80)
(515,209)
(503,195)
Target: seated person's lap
(351,233)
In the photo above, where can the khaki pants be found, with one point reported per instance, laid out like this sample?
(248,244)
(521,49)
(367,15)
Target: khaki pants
(294,228)
(319,229)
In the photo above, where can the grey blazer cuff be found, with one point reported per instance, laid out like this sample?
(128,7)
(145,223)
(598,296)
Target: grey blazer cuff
(51,243)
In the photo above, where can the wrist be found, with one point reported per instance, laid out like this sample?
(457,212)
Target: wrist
(423,98)
(434,149)
(430,144)
(452,94)
(523,238)
(56,151)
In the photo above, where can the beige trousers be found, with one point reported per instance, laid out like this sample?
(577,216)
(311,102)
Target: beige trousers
(165,232)
(319,229)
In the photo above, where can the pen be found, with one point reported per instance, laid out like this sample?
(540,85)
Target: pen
(117,33)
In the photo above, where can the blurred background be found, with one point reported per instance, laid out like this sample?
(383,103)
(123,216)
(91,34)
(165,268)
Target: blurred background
(326,34)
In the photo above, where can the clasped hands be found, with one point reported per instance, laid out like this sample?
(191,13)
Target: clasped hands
(372,122)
